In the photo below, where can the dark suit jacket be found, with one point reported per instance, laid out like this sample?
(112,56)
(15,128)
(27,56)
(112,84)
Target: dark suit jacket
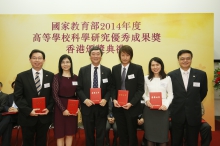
(2,102)
(186,105)
(9,103)
(84,85)
(135,87)
(25,90)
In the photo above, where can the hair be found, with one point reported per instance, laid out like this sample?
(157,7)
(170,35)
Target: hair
(95,48)
(126,49)
(161,73)
(12,84)
(1,84)
(184,51)
(37,51)
(64,56)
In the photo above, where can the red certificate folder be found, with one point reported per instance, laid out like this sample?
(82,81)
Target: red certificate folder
(72,106)
(39,102)
(122,97)
(156,99)
(95,95)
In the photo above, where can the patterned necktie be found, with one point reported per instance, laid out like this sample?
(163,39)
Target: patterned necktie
(123,79)
(95,78)
(185,79)
(37,82)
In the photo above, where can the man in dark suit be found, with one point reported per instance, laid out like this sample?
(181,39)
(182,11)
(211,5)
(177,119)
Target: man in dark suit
(94,115)
(127,76)
(29,84)
(10,106)
(3,120)
(189,89)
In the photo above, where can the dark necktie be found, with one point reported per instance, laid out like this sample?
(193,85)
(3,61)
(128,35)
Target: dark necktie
(95,78)
(123,79)
(37,82)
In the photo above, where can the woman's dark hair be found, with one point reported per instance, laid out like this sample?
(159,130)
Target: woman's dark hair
(161,73)
(59,65)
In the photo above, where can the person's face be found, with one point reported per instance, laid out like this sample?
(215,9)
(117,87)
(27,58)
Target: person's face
(155,67)
(37,61)
(65,64)
(125,58)
(185,61)
(95,57)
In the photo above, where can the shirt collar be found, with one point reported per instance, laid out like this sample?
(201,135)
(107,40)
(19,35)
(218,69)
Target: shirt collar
(40,71)
(183,71)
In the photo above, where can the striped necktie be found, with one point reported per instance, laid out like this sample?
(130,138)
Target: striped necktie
(37,82)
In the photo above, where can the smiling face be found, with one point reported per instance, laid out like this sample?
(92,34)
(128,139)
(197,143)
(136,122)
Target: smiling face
(65,64)
(37,61)
(95,57)
(125,58)
(155,68)
(185,61)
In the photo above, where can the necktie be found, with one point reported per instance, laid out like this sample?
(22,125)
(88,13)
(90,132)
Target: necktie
(185,79)
(123,79)
(95,78)
(37,82)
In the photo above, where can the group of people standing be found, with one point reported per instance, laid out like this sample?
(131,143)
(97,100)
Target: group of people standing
(182,90)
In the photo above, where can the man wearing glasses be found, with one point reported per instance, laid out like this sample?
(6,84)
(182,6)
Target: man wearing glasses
(189,89)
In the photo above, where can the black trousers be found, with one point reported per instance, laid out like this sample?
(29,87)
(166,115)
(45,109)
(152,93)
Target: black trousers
(35,135)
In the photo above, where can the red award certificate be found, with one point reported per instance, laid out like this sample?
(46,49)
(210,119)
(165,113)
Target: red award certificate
(95,95)
(72,106)
(39,102)
(156,99)
(122,97)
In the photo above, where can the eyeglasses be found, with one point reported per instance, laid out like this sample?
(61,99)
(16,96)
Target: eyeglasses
(39,58)
(187,59)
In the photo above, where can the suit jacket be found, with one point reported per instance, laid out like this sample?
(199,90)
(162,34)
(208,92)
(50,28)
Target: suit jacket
(2,103)
(135,86)
(186,105)
(9,103)
(25,90)
(84,85)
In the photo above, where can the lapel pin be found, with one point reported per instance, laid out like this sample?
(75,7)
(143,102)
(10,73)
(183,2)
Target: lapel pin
(194,76)
(46,75)
(102,72)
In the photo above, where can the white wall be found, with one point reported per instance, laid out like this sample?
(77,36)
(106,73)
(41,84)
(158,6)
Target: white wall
(117,6)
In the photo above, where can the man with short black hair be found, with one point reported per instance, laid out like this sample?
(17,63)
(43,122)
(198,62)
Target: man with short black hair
(94,115)
(34,83)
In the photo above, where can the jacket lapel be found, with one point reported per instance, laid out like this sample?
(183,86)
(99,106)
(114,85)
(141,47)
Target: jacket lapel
(31,80)
(192,76)
(179,78)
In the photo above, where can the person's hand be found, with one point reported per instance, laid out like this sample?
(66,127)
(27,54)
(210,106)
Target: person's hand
(66,113)
(89,102)
(12,109)
(127,106)
(116,103)
(102,102)
(140,121)
(163,107)
(44,112)
(76,113)
(149,104)
(111,120)
(33,112)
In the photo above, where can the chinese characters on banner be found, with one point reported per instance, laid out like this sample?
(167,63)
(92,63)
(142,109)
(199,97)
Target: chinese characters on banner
(83,35)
